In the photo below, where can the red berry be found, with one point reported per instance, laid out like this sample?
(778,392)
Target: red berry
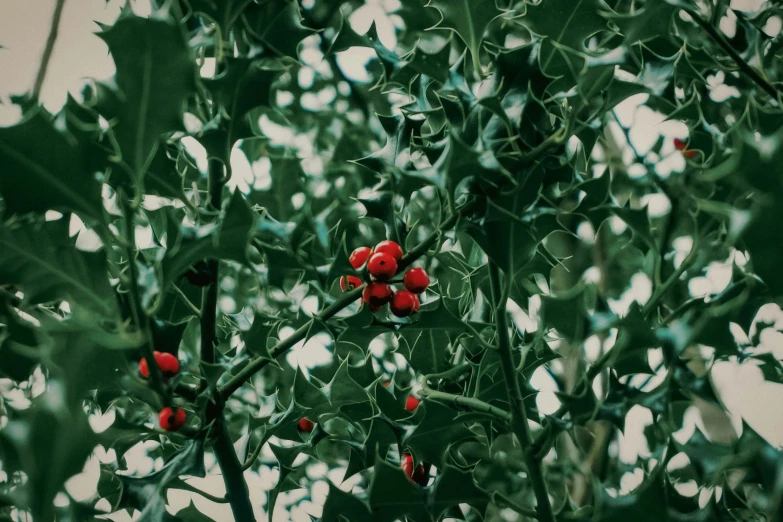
(421,475)
(349,283)
(389,247)
(404,303)
(359,257)
(306,425)
(680,144)
(171,419)
(416,280)
(377,294)
(411,403)
(382,266)
(386,384)
(690,153)
(168,363)
(407,465)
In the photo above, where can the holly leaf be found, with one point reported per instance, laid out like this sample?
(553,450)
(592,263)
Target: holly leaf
(439,428)
(469,19)
(454,487)
(155,75)
(277,24)
(54,177)
(392,495)
(43,261)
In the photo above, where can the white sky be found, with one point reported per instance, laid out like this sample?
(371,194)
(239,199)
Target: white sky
(80,55)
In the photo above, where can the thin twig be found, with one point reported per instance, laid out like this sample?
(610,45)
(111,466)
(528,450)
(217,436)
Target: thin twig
(47,54)
(187,302)
(742,64)
(140,318)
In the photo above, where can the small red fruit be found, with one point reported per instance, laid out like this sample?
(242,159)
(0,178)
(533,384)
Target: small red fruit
(421,475)
(359,257)
(349,283)
(680,144)
(690,154)
(404,303)
(306,425)
(386,384)
(407,465)
(416,280)
(411,403)
(382,266)
(172,419)
(377,294)
(389,247)
(168,364)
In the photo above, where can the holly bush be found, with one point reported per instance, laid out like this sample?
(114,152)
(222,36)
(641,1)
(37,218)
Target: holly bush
(487,146)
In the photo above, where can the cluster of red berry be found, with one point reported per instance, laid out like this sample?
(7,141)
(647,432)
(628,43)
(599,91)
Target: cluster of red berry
(382,265)
(682,145)
(170,419)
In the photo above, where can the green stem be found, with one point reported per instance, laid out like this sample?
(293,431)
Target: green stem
(140,318)
(742,64)
(283,346)
(519,422)
(467,402)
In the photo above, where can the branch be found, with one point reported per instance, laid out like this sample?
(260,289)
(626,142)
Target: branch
(742,64)
(255,365)
(47,54)
(519,422)
(236,487)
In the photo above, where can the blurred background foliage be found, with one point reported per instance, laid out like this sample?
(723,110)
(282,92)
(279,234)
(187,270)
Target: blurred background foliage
(586,283)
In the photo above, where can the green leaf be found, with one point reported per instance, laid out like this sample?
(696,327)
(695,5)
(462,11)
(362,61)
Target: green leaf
(54,177)
(565,26)
(230,241)
(440,427)
(147,494)
(245,85)
(277,24)
(469,19)
(340,506)
(155,74)
(392,495)
(453,487)
(647,504)
(651,21)
(49,444)
(44,262)
(567,314)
